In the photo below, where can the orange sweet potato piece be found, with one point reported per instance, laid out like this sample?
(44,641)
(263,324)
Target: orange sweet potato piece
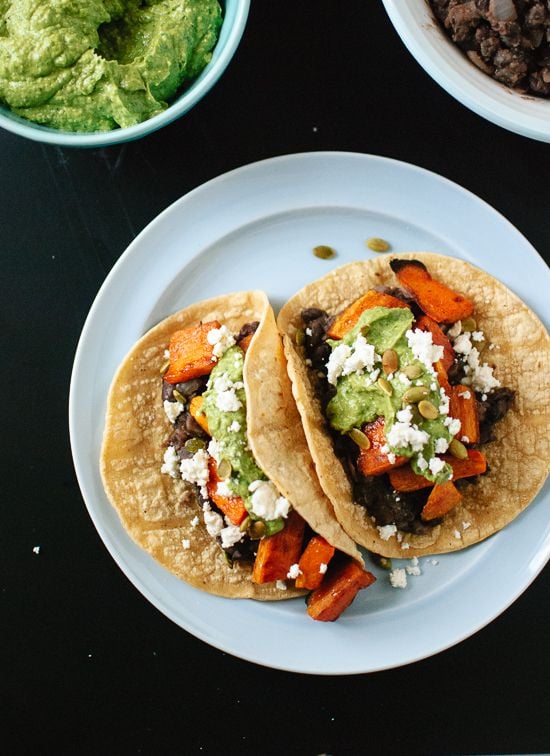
(442,377)
(443,497)
(425,323)
(345,321)
(338,590)
(277,553)
(438,301)
(232,506)
(463,406)
(404,479)
(244,343)
(317,552)
(194,410)
(373,461)
(190,353)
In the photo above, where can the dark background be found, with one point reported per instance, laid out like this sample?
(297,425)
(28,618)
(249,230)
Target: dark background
(87,665)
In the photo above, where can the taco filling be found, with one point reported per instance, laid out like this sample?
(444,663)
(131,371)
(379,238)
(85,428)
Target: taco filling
(204,398)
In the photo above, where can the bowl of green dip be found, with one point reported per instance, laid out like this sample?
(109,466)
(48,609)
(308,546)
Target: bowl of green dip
(91,73)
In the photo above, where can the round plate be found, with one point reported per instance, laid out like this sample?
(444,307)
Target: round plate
(255,228)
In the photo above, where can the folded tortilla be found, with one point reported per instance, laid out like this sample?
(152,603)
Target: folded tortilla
(519,457)
(156,509)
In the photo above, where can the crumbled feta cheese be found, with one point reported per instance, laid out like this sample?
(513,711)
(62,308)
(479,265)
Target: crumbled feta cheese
(186,543)
(323,568)
(195,521)
(309,332)
(293,572)
(404,415)
(466,395)
(166,354)
(421,462)
(423,348)
(465,439)
(463,344)
(413,568)
(223,489)
(484,397)
(441,445)
(457,535)
(477,336)
(281,585)
(345,359)
(173,410)
(398,578)
(266,502)
(195,470)
(214,450)
(221,338)
(171,464)
(434,562)
(234,427)
(478,375)
(405,545)
(226,398)
(213,521)
(230,535)
(36,549)
(404,380)
(466,525)
(436,465)
(455,329)
(402,434)
(309,363)
(453,425)
(387,531)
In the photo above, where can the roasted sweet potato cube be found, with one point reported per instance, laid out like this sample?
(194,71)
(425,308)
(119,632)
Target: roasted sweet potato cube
(439,338)
(404,478)
(373,461)
(337,591)
(232,506)
(277,553)
(317,553)
(436,299)
(191,355)
(443,497)
(194,409)
(346,320)
(463,406)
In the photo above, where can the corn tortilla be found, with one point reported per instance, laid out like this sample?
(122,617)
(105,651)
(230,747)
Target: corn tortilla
(156,509)
(519,457)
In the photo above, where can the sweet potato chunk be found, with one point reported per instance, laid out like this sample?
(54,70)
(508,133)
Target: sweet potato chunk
(317,552)
(442,377)
(277,553)
(244,343)
(439,338)
(232,506)
(194,410)
(443,497)
(190,353)
(438,301)
(404,479)
(463,406)
(373,461)
(345,321)
(338,590)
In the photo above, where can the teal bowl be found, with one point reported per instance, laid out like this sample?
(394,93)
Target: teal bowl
(234,21)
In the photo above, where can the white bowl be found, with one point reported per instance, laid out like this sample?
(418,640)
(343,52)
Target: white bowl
(447,64)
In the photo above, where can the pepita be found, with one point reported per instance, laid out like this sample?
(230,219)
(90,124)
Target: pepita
(300,337)
(224,468)
(358,437)
(390,361)
(324,252)
(375,244)
(178,396)
(164,367)
(428,410)
(415,394)
(413,371)
(256,530)
(194,444)
(381,561)
(243,527)
(385,385)
(457,449)
(469,324)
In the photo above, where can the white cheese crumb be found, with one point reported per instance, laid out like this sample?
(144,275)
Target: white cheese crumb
(466,395)
(234,427)
(455,329)
(293,572)
(172,410)
(477,336)
(221,339)
(214,450)
(345,359)
(36,549)
(413,568)
(166,354)
(402,435)
(281,585)
(453,425)
(226,398)
(266,502)
(421,462)
(186,543)
(231,535)
(212,520)
(323,568)
(309,332)
(171,464)
(441,445)
(387,531)
(434,562)
(466,525)
(398,578)
(223,489)
(423,348)
(465,439)
(436,465)
(404,380)
(195,470)
(405,545)
(195,521)
(457,535)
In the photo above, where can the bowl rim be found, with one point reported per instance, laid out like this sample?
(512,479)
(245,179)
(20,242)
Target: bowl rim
(448,66)
(236,14)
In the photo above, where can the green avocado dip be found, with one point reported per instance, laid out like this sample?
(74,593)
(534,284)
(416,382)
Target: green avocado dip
(224,405)
(95,65)
(365,392)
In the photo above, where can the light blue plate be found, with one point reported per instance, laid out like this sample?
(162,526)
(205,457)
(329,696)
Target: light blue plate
(255,228)
(235,16)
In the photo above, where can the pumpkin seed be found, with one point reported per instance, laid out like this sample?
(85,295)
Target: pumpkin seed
(256,530)
(178,396)
(385,385)
(415,394)
(365,330)
(390,361)
(243,527)
(324,252)
(228,559)
(375,244)
(457,449)
(164,367)
(359,438)
(428,410)
(224,468)
(194,444)
(413,371)
(300,337)
(469,325)
(381,561)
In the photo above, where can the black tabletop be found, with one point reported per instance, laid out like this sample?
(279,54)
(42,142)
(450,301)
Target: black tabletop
(88,665)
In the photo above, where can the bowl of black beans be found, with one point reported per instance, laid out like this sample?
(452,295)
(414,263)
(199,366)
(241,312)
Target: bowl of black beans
(491,55)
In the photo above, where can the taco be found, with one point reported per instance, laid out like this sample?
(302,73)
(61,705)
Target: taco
(423,385)
(205,460)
